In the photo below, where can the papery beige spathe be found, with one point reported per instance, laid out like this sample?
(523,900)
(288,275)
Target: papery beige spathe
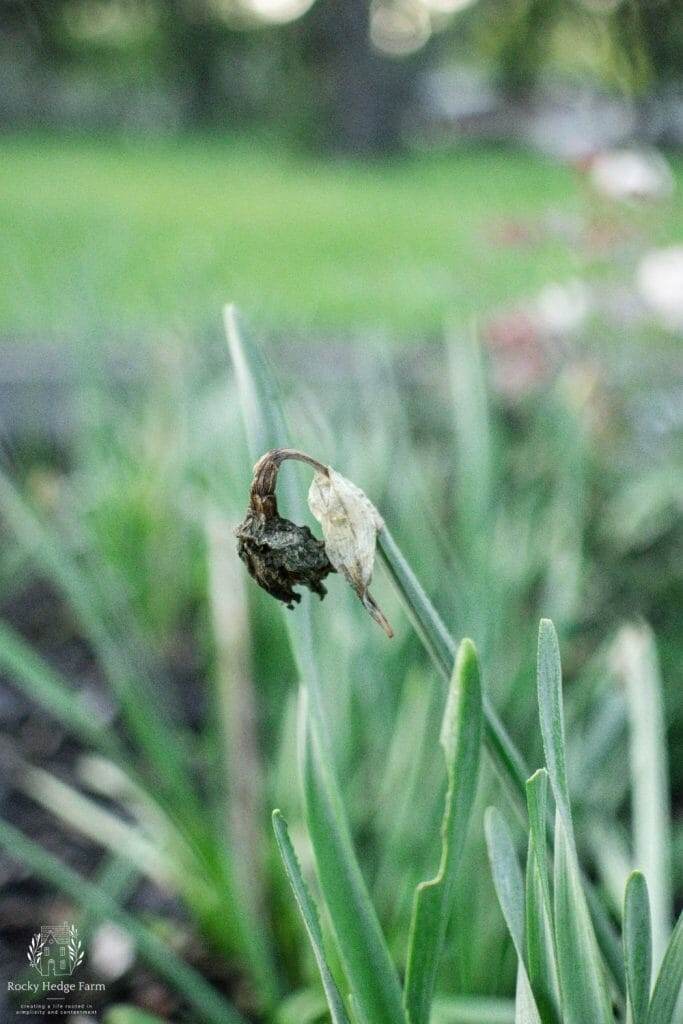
(350,523)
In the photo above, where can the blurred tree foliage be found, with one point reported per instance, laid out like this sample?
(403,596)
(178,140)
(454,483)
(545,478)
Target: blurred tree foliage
(355,97)
(314,71)
(318,74)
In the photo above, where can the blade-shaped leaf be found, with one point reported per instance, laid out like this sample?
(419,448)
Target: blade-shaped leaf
(634,656)
(583,988)
(473,1010)
(309,915)
(264,422)
(509,886)
(552,717)
(668,994)
(526,1011)
(461,736)
(473,436)
(370,973)
(537,807)
(540,942)
(507,876)
(99,824)
(637,947)
(46,686)
(441,647)
(303,1006)
(367,963)
(540,947)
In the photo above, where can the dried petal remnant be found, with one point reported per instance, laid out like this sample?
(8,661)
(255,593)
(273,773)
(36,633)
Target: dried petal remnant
(349,523)
(281,555)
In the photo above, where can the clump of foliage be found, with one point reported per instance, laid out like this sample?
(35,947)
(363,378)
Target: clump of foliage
(400,938)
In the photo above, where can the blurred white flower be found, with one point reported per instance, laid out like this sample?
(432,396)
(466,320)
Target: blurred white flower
(446,6)
(562,309)
(628,175)
(274,12)
(659,280)
(111,951)
(399,27)
(350,523)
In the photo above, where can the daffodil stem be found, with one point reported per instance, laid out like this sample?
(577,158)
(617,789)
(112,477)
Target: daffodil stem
(262,494)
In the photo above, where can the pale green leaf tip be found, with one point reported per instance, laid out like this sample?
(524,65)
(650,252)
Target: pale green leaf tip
(466,661)
(546,628)
(280,826)
(548,643)
(230,317)
(465,679)
(467,649)
(538,776)
(636,878)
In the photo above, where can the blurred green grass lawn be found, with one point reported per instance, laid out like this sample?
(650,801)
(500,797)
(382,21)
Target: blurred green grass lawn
(119,234)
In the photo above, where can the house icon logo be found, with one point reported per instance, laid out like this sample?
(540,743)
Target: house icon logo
(56,951)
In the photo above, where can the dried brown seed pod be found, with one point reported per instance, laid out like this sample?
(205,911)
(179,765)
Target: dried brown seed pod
(279,554)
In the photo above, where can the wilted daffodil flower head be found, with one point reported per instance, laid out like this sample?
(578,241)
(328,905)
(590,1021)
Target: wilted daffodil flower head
(280,554)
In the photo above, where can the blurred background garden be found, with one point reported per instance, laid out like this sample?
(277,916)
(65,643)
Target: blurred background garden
(455,230)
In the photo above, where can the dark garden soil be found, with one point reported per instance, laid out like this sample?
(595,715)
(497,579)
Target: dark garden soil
(29,736)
